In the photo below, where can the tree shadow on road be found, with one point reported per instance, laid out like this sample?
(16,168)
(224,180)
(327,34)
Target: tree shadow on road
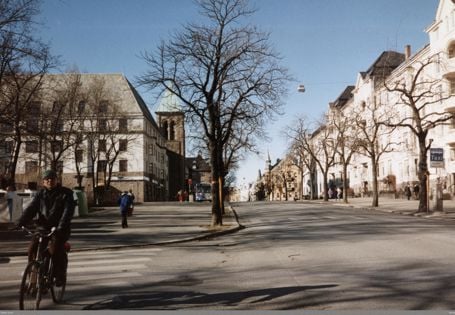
(192,299)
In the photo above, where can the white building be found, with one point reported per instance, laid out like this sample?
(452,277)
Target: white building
(116,129)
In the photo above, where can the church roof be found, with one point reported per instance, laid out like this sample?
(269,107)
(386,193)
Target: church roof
(169,103)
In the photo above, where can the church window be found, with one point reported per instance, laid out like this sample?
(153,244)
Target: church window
(165,129)
(172,131)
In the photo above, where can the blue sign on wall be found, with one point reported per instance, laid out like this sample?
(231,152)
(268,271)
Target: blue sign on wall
(436,157)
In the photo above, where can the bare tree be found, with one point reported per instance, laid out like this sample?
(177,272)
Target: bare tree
(316,145)
(23,62)
(419,90)
(62,131)
(345,130)
(224,73)
(373,137)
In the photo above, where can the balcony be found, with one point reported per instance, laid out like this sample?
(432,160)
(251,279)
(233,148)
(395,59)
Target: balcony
(448,68)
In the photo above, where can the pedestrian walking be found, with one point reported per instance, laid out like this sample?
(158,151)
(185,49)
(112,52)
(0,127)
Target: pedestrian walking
(339,193)
(10,196)
(124,202)
(407,191)
(131,208)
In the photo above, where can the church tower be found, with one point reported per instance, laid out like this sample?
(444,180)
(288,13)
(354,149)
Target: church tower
(171,121)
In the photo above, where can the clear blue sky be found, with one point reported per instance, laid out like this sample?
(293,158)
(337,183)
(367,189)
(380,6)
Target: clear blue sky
(324,43)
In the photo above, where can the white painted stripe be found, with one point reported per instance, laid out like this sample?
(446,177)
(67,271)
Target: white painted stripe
(108,268)
(89,285)
(87,278)
(72,263)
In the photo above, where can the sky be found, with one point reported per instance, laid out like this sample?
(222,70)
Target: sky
(323,43)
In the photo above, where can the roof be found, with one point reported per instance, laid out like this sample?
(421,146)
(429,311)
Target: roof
(385,63)
(169,103)
(344,97)
(119,88)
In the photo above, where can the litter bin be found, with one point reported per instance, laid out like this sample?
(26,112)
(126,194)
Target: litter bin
(82,207)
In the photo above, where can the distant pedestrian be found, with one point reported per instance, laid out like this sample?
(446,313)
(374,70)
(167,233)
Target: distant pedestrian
(10,196)
(407,191)
(124,202)
(339,193)
(131,208)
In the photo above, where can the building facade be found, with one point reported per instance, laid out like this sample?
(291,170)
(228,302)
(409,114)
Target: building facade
(379,96)
(105,139)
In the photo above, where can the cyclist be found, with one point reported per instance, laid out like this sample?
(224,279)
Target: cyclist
(54,207)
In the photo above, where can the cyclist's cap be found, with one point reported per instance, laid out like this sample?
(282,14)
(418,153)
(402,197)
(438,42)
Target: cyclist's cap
(49,174)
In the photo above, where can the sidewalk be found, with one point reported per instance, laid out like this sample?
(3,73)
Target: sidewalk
(400,206)
(151,224)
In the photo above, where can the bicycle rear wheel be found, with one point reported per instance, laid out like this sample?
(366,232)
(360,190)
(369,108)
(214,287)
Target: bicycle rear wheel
(30,293)
(57,292)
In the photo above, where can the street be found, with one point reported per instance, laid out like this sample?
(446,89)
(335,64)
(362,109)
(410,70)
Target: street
(290,256)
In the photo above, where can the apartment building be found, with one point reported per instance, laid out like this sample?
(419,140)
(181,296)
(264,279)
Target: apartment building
(380,113)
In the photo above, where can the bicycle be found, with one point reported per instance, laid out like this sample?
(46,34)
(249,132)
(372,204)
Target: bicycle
(38,278)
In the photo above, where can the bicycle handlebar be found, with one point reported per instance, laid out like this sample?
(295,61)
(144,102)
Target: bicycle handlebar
(45,234)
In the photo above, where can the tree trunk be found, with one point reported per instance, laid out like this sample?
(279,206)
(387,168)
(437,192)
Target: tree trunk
(217,218)
(374,179)
(345,183)
(423,176)
(326,186)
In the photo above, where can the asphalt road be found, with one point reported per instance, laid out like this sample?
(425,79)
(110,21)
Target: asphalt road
(290,256)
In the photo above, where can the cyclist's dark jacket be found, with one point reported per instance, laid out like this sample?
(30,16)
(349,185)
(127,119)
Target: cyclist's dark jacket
(54,208)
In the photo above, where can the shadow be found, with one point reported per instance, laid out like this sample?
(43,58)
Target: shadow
(4,260)
(191,299)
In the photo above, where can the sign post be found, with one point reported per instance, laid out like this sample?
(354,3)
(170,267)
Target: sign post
(437,161)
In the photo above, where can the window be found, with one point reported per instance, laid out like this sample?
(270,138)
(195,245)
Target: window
(57,126)
(56,107)
(451,50)
(165,129)
(102,145)
(6,127)
(31,124)
(172,131)
(101,165)
(35,109)
(123,145)
(123,165)
(56,146)
(102,125)
(31,146)
(452,86)
(79,156)
(103,106)
(6,147)
(123,125)
(81,107)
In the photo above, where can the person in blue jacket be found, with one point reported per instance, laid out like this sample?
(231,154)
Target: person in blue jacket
(125,203)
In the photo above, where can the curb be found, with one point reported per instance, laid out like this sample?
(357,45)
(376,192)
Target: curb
(433,215)
(204,236)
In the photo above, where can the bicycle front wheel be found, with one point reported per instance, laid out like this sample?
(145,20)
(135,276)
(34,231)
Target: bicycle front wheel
(57,292)
(30,293)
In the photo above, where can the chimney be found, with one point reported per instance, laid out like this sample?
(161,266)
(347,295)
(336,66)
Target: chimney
(407,52)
